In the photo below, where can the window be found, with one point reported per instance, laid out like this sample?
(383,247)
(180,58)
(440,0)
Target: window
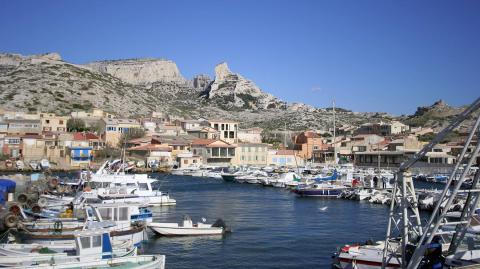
(106,213)
(243,158)
(231,151)
(215,126)
(232,134)
(131,185)
(225,134)
(182,147)
(47,121)
(106,184)
(194,161)
(96,241)
(142,186)
(61,121)
(223,126)
(85,241)
(121,214)
(256,158)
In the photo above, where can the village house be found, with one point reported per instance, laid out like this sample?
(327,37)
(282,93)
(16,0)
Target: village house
(23,126)
(159,117)
(204,133)
(227,129)
(33,147)
(93,118)
(12,146)
(306,143)
(112,129)
(170,129)
(406,143)
(188,160)
(214,152)
(52,122)
(255,154)
(153,153)
(382,128)
(251,135)
(192,124)
(383,159)
(287,158)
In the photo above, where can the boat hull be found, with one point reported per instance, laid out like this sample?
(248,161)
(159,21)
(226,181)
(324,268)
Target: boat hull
(181,231)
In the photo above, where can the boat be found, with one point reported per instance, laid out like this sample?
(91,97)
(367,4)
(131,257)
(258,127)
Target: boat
(93,249)
(188,228)
(464,259)
(34,165)
(45,164)
(368,256)
(320,190)
(20,165)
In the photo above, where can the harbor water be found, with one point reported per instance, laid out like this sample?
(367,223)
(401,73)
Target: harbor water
(271,227)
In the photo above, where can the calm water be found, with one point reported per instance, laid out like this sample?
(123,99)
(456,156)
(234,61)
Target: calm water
(272,228)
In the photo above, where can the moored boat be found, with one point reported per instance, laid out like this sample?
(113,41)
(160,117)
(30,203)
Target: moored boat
(188,228)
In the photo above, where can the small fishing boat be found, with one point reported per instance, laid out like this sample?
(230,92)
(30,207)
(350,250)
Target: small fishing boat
(188,228)
(320,190)
(93,249)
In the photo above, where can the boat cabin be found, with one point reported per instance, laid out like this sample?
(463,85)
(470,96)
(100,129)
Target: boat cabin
(89,243)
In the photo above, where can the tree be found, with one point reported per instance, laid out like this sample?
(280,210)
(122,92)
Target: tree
(75,125)
(131,133)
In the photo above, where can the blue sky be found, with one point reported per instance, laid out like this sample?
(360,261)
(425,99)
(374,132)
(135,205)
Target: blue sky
(380,55)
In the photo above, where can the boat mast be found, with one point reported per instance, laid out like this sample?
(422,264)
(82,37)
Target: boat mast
(285,136)
(334,136)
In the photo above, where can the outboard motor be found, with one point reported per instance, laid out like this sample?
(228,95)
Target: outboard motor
(222,224)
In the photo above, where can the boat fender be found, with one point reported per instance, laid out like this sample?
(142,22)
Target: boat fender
(36,208)
(31,203)
(58,226)
(10,220)
(22,198)
(53,182)
(42,202)
(15,209)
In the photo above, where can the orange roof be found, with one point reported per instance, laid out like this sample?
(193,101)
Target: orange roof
(202,142)
(285,152)
(151,147)
(84,136)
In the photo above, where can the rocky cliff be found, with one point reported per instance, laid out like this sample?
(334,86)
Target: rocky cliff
(140,71)
(138,87)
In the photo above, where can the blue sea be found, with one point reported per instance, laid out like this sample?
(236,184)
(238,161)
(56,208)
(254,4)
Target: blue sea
(271,227)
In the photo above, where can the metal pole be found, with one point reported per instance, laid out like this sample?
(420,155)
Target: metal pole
(416,258)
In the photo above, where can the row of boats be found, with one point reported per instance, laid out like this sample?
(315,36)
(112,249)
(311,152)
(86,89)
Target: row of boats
(96,221)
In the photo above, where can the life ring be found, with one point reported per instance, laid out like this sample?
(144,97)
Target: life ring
(58,226)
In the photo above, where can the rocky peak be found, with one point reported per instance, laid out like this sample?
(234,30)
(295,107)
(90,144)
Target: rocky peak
(222,71)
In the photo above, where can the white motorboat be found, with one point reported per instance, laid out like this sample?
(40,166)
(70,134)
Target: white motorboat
(464,258)
(188,228)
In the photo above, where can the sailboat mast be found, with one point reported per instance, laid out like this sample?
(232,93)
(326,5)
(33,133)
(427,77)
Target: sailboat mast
(334,134)
(285,137)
